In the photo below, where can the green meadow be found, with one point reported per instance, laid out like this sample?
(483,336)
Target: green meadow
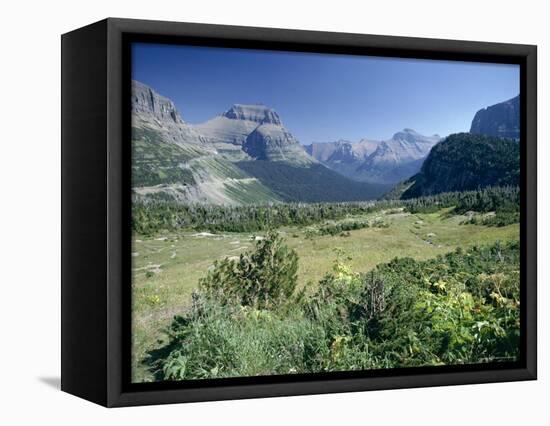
(168,265)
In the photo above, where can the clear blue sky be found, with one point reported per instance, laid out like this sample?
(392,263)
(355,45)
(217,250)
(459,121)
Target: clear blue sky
(324,97)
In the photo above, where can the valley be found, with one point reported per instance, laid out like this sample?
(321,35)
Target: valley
(255,254)
(167,266)
(246,155)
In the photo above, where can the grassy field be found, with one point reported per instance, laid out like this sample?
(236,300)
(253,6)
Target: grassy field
(167,267)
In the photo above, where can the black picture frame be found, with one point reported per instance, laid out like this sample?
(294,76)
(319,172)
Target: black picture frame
(96,211)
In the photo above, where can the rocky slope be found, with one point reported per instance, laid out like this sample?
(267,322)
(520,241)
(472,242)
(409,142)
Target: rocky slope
(171,159)
(159,114)
(256,130)
(244,155)
(501,120)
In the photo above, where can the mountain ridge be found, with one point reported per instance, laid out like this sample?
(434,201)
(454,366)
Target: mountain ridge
(225,159)
(380,161)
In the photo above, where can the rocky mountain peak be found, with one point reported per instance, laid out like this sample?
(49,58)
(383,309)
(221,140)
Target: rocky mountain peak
(274,143)
(413,137)
(501,120)
(146,101)
(257,113)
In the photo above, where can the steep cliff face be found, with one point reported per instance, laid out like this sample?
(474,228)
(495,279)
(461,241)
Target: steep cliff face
(272,142)
(152,112)
(244,155)
(234,125)
(145,101)
(257,113)
(501,120)
(171,159)
(256,130)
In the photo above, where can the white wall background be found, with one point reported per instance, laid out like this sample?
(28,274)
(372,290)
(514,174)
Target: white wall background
(30,211)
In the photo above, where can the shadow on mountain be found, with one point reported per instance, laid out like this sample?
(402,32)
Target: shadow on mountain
(315,183)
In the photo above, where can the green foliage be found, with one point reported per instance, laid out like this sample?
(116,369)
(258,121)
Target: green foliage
(152,216)
(499,219)
(465,162)
(455,309)
(343,228)
(262,279)
(163,214)
(505,199)
(461,308)
(338,228)
(503,202)
(216,341)
(491,199)
(156,161)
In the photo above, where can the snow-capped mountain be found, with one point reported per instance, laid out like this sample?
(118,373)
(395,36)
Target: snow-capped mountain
(341,151)
(388,161)
(398,158)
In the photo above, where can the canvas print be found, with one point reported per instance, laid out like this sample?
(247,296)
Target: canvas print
(302,213)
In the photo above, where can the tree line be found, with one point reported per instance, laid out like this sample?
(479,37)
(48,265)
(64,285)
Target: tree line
(151,216)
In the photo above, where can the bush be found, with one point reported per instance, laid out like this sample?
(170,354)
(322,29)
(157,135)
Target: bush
(262,279)
(247,318)
(339,228)
(498,219)
(232,340)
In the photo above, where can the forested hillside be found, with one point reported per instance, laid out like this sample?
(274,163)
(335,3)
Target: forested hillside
(314,183)
(463,162)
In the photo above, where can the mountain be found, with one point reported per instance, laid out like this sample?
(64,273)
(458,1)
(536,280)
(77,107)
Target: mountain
(463,162)
(234,125)
(274,143)
(398,158)
(255,130)
(159,114)
(245,155)
(500,120)
(171,159)
(341,151)
(385,162)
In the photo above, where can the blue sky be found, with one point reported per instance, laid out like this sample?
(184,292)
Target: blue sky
(324,97)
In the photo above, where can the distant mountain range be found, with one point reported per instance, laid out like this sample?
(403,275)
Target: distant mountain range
(386,162)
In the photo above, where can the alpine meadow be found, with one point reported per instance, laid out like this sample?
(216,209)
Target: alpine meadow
(318,232)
